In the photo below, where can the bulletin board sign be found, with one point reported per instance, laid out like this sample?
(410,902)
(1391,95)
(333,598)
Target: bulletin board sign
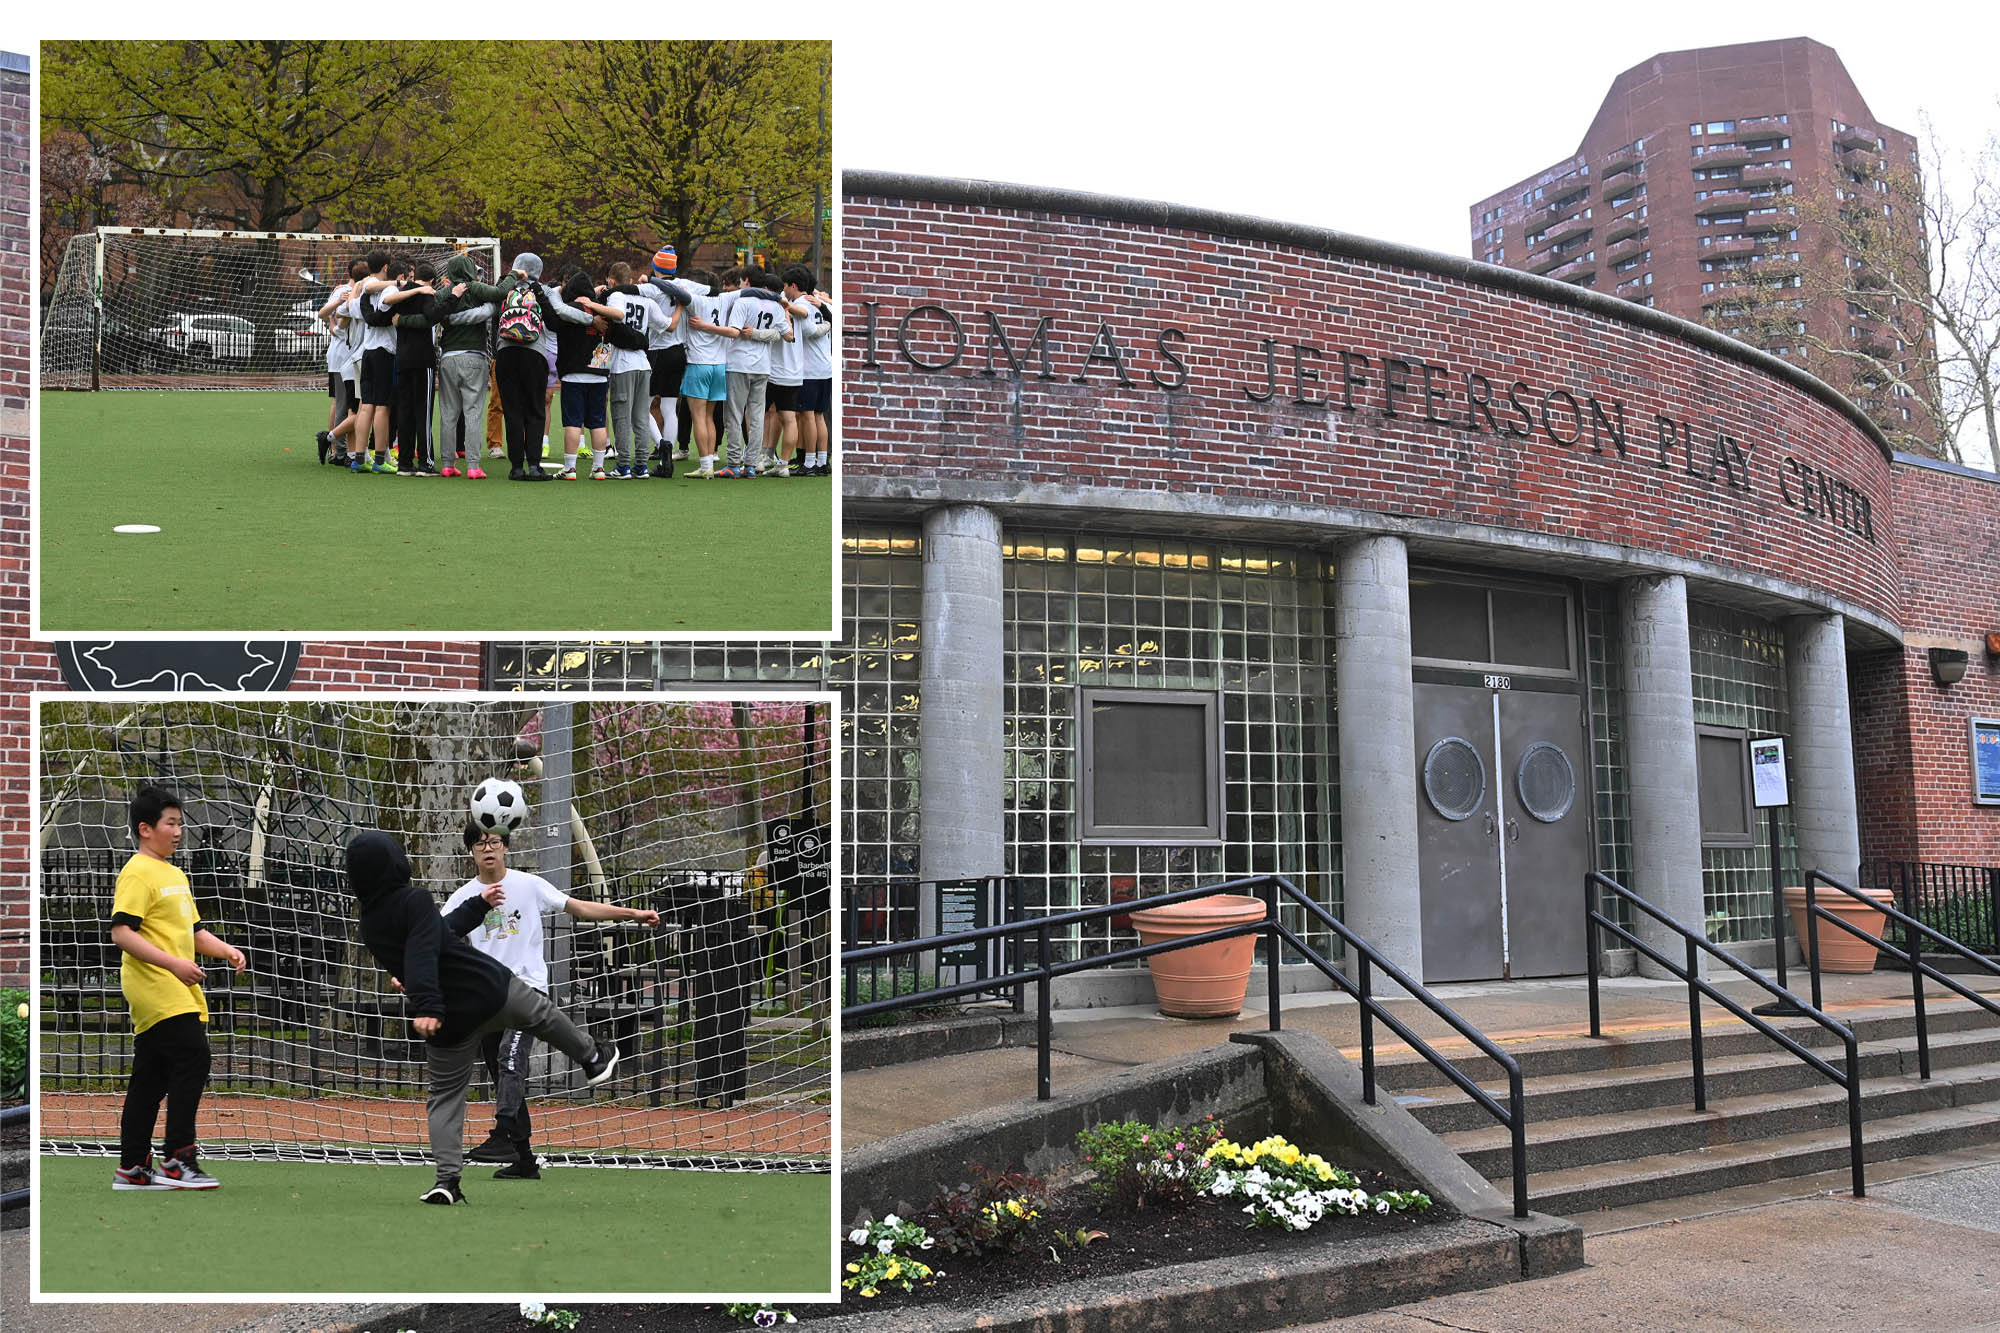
(1985,742)
(1770,777)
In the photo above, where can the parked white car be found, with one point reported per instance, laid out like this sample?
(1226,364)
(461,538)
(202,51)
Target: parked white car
(208,337)
(301,335)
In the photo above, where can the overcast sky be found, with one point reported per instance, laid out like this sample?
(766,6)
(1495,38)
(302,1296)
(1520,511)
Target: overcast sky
(1387,120)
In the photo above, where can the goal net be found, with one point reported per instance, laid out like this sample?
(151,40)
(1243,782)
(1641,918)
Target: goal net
(714,811)
(158,308)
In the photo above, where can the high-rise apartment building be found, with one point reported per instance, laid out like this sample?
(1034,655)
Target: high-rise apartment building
(1749,188)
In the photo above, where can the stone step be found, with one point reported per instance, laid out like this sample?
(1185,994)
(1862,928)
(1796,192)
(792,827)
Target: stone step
(1583,1189)
(1722,1035)
(1444,1109)
(1591,1139)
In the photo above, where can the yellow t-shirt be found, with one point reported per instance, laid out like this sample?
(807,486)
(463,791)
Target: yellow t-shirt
(157,893)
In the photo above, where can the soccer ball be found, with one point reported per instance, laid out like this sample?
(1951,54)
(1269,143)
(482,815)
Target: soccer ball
(498,803)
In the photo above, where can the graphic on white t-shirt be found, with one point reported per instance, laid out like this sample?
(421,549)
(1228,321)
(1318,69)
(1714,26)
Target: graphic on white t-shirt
(511,934)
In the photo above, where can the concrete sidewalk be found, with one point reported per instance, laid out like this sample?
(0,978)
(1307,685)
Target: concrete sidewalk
(1089,1043)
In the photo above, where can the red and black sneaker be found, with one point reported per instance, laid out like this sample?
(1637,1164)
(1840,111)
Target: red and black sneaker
(140,1177)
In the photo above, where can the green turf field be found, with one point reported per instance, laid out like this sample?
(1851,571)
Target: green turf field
(278,1228)
(256,537)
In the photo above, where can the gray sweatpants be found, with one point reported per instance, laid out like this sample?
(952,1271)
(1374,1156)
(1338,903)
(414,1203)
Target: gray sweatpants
(462,378)
(631,402)
(745,423)
(526,1010)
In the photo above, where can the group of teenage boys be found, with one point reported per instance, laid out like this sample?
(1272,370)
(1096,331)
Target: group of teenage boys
(735,367)
(468,998)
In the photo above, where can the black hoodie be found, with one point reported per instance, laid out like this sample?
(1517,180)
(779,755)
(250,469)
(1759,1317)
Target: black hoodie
(443,976)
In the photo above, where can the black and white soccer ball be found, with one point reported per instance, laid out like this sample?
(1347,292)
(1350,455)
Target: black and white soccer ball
(498,803)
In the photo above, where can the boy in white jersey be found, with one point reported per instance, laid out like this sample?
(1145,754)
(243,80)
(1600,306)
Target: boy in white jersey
(757,320)
(816,394)
(511,935)
(788,373)
(705,382)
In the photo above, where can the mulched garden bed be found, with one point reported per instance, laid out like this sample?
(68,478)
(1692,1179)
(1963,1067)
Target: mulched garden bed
(1210,1229)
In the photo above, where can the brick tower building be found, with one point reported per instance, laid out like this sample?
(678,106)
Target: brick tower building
(1749,188)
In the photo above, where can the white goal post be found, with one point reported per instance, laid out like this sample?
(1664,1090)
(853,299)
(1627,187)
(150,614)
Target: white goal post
(172,308)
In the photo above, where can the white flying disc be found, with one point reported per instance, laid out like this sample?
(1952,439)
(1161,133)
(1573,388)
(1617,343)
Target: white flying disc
(135,527)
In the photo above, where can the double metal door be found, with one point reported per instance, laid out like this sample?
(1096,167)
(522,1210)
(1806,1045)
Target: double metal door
(1503,829)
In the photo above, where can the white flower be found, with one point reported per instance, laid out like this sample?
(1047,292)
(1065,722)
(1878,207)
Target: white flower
(884,1245)
(533,1310)
(928,1242)
(1381,1205)
(891,1220)
(858,1236)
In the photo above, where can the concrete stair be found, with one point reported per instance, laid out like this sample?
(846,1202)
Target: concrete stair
(1611,1122)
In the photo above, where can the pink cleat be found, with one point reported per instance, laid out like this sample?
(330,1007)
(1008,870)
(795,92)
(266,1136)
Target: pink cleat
(449,472)
(474,473)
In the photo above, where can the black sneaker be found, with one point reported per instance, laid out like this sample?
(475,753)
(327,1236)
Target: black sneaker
(497,1148)
(444,1192)
(325,442)
(599,1066)
(525,1169)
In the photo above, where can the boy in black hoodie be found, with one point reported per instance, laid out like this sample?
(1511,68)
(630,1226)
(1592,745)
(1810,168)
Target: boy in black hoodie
(417,308)
(457,993)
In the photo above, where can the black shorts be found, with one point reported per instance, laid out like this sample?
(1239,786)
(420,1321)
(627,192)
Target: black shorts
(668,363)
(333,385)
(781,397)
(378,377)
(817,396)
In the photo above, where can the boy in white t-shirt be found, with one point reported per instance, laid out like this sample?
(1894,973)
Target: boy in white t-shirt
(511,935)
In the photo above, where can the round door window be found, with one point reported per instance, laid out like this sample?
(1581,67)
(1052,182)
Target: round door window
(1545,782)
(1455,778)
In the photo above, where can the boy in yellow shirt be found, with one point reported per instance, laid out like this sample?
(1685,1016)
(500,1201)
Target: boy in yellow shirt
(154,921)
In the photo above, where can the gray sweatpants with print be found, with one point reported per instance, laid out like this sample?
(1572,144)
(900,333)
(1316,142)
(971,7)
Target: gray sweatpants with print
(631,401)
(526,1010)
(462,379)
(745,422)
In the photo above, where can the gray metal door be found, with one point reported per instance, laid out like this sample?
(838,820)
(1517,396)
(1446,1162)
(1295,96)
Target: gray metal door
(1502,830)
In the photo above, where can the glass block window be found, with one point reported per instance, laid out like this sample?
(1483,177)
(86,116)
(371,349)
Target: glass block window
(1252,624)
(1739,681)
(1602,646)
(874,668)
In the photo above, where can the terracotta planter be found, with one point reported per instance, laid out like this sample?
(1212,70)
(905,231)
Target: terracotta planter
(1843,952)
(1206,980)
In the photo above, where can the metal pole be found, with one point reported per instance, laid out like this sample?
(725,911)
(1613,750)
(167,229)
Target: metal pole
(97,314)
(1272,949)
(1854,1118)
(1518,1114)
(1042,1090)
(1367,1033)
(1812,934)
(1785,1008)
(1694,1031)
(1590,950)
(1915,939)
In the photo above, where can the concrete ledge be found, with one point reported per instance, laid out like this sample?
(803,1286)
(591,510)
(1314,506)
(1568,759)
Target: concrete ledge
(1348,1276)
(1316,1088)
(900,1173)
(872,1048)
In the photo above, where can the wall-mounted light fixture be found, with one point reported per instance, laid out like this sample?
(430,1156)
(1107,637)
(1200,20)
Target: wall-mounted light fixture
(1948,665)
(1993,643)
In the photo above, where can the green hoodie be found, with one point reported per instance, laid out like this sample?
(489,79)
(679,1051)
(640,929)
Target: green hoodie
(473,337)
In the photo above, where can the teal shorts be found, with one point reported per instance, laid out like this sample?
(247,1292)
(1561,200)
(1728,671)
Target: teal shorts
(710,382)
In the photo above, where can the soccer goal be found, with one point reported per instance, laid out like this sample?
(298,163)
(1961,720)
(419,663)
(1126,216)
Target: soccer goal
(163,308)
(712,811)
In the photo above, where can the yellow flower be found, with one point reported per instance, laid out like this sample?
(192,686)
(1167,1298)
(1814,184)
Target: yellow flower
(854,1268)
(1014,1207)
(895,1271)
(868,1291)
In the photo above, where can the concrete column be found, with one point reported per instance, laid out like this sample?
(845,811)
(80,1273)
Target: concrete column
(1660,759)
(1378,748)
(962,757)
(1821,751)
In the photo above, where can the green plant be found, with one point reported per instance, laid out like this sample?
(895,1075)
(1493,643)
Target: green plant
(543,1317)
(1293,1189)
(763,1316)
(13,1044)
(1134,1164)
(993,1213)
(871,986)
(888,1257)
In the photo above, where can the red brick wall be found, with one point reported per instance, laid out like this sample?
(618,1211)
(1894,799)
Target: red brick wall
(968,429)
(1914,768)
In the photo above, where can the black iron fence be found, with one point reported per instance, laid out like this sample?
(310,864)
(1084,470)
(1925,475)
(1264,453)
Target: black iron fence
(313,1016)
(1959,901)
(891,911)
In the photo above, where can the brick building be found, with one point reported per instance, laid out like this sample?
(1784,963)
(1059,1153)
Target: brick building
(1712,184)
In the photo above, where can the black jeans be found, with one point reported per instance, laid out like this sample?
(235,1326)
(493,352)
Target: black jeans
(170,1061)
(505,1055)
(523,375)
(413,416)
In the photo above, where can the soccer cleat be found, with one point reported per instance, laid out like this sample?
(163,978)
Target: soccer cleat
(140,1177)
(185,1174)
(325,442)
(597,474)
(388,468)
(475,473)
(357,463)
(497,1148)
(517,474)
(602,1061)
(567,474)
(623,471)
(728,472)
(449,471)
(445,1192)
(524,1169)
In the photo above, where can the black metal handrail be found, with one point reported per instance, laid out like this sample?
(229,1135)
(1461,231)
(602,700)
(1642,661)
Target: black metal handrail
(1914,931)
(1270,888)
(1690,972)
